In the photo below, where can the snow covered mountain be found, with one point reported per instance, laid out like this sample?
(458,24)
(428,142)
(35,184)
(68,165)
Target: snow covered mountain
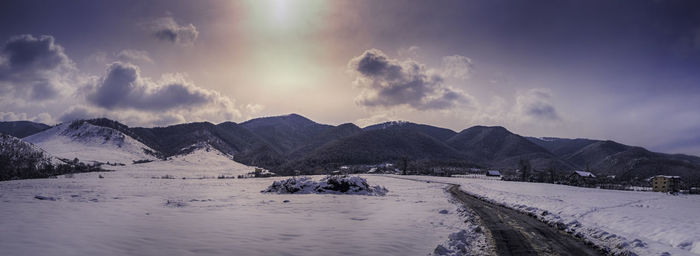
(91,143)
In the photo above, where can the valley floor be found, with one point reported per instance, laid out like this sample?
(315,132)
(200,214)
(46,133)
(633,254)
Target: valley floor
(644,223)
(148,209)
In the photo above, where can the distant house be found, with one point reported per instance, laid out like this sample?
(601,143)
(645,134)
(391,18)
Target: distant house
(581,178)
(694,190)
(493,173)
(665,183)
(583,174)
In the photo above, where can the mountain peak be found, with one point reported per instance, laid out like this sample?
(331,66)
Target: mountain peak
(388,124)
(290,120)
(227,123)
(486,128)
(102,121)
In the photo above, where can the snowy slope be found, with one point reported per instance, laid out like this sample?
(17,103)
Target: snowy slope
(90,143)
(646,223)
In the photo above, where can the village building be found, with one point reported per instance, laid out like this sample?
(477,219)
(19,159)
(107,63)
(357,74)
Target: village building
(493,173)
(665,183)
(581,178)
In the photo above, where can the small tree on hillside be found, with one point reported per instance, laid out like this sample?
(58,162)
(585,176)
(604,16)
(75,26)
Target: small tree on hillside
(404,161)
(525,169)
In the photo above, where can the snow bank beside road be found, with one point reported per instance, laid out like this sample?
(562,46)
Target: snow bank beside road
(643,223)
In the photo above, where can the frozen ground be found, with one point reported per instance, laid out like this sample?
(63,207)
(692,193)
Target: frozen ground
(645,223)
(138,210)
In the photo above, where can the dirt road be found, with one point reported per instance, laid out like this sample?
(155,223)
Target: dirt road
(515,233)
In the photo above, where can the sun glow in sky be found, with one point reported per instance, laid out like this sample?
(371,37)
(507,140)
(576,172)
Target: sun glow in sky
(543,68)
(284,55)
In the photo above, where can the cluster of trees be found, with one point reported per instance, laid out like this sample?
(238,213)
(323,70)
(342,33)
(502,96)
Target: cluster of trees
(21,160)
(33,168)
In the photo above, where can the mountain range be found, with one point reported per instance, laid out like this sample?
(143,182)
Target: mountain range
(293,142)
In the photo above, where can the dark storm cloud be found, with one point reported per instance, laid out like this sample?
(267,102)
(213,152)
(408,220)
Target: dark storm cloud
(542,110)
(536,104)
(33,67)
(166,34)
(28,52)
(166,29)
(390,82)
(123,88)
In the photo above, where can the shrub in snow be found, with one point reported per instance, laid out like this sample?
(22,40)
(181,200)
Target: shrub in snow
(329,185)
(49,198)
(175,203)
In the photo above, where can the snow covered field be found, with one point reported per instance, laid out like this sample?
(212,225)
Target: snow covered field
(645,223)
(136,211)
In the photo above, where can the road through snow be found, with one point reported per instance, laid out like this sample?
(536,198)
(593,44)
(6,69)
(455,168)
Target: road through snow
(514,233)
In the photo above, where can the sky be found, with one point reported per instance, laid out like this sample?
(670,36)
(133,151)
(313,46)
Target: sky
(627,70)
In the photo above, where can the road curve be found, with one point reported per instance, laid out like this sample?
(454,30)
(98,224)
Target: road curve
(514,233)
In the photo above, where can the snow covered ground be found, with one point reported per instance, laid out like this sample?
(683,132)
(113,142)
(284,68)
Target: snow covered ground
(149,209)
(645,223)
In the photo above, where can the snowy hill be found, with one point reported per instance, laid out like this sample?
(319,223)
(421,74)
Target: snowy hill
(203,154)
(20,159)
(200,160)
(90,143)
(15,149)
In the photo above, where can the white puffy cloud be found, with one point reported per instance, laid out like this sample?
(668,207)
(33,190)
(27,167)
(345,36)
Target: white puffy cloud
(141,118)
(410,52)
(36,76)
(388,82)
(40,118)
(12,116)
(131,55)
(123,88)
(457,66)
(254,108)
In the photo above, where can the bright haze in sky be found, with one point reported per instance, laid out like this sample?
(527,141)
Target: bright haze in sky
(622,70)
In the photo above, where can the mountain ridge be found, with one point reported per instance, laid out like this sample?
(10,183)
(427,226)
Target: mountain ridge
(292,141)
